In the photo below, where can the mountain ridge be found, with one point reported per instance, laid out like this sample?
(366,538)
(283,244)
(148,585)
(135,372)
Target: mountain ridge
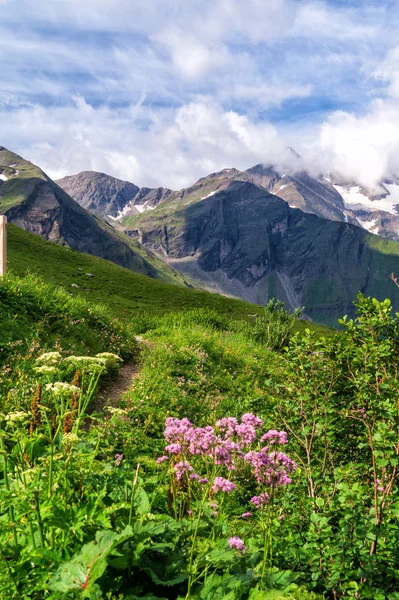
(32,201)
(329,196)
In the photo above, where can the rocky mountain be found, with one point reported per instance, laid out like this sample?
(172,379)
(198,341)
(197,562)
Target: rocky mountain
(111,198)
(234,237)
(329,196)
(252,234)
(31,200)
(333,197)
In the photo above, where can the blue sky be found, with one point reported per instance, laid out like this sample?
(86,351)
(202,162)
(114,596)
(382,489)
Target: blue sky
(161,92)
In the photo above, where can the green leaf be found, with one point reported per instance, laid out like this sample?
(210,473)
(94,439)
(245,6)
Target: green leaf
(141,502)
(82,571)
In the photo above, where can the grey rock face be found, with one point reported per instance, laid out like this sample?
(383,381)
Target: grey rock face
(109,197)
(244,241)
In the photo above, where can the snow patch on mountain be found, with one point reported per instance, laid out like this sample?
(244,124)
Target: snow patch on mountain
(129,206)
(209,195)
(369,225)
(3,177)
(143,207)
(354,198)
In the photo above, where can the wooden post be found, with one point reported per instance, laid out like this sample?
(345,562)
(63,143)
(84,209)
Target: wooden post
(3,245)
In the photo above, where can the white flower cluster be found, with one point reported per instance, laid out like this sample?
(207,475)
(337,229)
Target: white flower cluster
(46,369)
(90,364)
(109,356)
(17,416)
(59,388)
(115,411)
(49,358)
(70,438)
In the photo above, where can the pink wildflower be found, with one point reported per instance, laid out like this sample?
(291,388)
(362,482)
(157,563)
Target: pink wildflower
(275,437)
(223,485)
(176,428)
(227,426)
(250,419)
(162,459)
(246,515)
(236,542)
(246,434)
(271,468)
(200,439)
(379,487)
(224,452)
(181,468)
(173,448)
(118,459)
(261,500)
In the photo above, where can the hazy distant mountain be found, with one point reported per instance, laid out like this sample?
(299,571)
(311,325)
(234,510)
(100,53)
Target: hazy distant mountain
(333,197)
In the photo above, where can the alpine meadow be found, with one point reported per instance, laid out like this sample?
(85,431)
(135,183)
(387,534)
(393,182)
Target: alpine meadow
(199,300)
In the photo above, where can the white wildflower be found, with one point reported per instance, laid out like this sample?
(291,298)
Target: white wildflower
(19,415)
(109,356)
(91,364)
(115,411)
(46,369)
(51,358)
(60,388)
(70,438)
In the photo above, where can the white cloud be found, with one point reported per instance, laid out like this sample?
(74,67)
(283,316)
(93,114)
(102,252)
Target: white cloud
(388,71)
(191,56)
(365,148)
(178,147)
(163,92)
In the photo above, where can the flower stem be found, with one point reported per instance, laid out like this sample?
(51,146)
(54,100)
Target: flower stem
(11,514)
(134,485)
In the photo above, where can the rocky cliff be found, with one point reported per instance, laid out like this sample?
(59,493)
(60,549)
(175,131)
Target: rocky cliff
(244,241)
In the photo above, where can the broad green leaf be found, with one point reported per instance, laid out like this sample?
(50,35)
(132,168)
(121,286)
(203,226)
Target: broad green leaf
(82,571)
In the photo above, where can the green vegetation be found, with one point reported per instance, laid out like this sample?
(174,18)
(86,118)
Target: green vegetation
(16,188)
(125,293)
(250,459)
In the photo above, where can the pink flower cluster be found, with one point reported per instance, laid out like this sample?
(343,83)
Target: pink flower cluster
(223,442)
(118,459)
(223,485)
(236,542)
(224,445)
(261,500)
(275,437)
(182,467)
(271,468)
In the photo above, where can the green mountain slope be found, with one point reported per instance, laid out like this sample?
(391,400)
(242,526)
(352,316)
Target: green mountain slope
(125,293)
(31,200)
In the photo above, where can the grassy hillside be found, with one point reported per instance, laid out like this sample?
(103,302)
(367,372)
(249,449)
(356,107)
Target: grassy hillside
(126,294)
(200,509)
